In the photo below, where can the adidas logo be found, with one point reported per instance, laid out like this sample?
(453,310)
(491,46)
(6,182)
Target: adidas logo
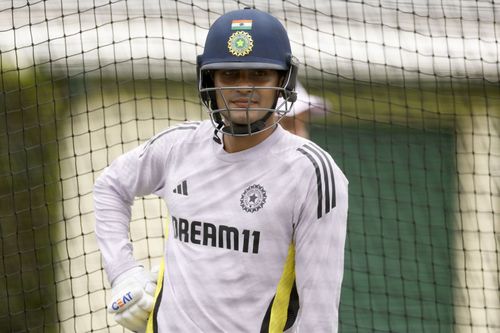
(182,188)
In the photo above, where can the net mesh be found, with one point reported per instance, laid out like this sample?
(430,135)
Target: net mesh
(410,112)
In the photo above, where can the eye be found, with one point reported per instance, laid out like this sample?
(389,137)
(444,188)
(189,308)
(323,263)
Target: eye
(260,72)
(260,75)
(230,74)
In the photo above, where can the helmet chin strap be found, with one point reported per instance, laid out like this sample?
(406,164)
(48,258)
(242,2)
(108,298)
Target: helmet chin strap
(251,128)
(238,129)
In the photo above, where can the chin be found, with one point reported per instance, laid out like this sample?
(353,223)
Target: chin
(240,118)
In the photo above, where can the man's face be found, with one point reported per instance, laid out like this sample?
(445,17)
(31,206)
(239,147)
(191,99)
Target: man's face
(240,101)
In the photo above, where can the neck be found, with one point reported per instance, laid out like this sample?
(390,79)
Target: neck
(234,144)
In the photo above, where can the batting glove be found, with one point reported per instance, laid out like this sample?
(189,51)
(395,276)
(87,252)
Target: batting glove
(133,298)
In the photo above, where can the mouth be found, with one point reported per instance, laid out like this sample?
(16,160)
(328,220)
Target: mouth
(243,103)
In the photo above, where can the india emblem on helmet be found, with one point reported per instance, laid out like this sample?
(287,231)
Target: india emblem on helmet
(240,43)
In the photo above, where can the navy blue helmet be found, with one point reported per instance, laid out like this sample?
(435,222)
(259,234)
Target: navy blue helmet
(247,39)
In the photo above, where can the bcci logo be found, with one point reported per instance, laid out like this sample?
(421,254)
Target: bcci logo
(253,198)
(240,43)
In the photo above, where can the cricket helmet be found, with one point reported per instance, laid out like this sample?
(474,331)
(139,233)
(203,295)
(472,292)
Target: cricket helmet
(241,40)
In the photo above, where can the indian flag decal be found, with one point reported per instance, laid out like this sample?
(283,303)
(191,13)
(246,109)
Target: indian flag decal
(241,25)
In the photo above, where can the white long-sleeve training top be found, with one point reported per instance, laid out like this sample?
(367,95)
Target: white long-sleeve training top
(256,238)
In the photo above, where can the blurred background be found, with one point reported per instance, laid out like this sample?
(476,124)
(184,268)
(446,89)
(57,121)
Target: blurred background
(404,94)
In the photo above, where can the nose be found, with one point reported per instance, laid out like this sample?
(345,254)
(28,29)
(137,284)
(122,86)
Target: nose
(244,80)
(245,85)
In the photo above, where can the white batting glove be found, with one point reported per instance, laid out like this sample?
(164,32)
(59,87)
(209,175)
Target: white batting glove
(133,298)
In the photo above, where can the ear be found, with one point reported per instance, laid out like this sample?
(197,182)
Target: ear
(282,78)
(291,79)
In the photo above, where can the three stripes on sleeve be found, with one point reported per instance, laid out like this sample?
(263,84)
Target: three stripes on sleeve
(325,180)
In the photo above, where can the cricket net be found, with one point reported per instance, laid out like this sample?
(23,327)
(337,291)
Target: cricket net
(410,112)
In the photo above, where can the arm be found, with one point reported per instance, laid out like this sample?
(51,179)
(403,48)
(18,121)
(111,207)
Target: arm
(319,257)
(136,173)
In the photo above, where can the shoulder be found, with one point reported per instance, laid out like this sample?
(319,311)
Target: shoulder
(185,132)
(303,151)
(320,162)
(326,184)
(309,159)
